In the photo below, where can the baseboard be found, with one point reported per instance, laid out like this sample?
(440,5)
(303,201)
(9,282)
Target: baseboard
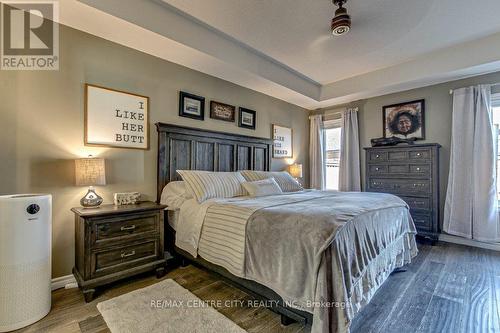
(469,242)
(62,281)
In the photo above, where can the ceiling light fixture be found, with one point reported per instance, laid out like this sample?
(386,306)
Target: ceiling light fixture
(341,23)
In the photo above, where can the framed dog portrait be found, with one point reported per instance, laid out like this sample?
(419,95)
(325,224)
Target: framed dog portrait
(405,120)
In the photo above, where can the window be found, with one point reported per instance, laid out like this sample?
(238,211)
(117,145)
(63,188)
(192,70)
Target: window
(496,122)
(333,132)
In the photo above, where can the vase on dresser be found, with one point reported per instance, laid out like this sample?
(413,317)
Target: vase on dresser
(412,173)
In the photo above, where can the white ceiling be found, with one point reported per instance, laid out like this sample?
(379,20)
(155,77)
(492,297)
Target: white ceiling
(284,48)
(384,32)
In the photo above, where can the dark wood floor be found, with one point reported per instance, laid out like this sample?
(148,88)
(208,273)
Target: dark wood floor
(448,288)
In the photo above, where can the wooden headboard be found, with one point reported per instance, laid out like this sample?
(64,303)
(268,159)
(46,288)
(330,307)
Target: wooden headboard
(185,148)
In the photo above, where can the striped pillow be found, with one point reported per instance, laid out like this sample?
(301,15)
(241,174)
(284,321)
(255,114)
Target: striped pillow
(205,185)
(285,181)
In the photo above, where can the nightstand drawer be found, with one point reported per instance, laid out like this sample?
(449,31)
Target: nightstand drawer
(108,261)
(127,227)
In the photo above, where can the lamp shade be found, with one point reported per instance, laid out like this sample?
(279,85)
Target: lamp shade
(90,172)
(296,170)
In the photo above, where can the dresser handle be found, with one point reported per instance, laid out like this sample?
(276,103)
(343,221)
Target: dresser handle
(418,169)
(418,154)
(377,169)
(129,254)
(377,156)
(130,227)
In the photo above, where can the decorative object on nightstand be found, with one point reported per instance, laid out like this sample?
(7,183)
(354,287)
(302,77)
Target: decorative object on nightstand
(412,173)
(129,198)
(90,172)
(295,171)
(115,242)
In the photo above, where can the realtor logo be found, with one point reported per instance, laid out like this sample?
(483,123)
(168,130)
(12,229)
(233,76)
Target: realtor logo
(30,36)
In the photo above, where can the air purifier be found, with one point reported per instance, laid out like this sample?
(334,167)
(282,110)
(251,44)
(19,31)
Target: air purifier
(25,259)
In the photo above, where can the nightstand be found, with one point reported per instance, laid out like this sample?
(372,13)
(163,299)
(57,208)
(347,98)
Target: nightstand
(116,242)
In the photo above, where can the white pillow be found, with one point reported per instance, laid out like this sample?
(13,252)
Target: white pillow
(263,187)
(205,185)
(285,181)
(174,194)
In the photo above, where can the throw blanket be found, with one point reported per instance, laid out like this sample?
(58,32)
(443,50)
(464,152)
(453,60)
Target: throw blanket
(322,252)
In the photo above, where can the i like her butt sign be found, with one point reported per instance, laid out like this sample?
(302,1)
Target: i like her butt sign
(116,118)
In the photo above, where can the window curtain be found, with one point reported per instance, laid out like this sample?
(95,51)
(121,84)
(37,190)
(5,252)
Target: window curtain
(471,207)
(350,168)
(316,153)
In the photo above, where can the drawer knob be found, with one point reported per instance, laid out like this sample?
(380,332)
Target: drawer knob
(377,169)
(377,156)
(418,154)
(418,169)
(128,228)
(128,254)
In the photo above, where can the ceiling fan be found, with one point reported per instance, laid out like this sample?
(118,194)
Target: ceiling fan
(341,22)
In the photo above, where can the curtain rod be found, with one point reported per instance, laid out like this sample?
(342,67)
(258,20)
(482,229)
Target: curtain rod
(493,85)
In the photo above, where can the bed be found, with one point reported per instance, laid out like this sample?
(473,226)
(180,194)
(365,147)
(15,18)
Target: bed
(319,256)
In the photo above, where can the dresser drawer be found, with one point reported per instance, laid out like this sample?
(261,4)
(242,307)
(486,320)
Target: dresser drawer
(420,154)
(400,186)
(124,227)
(378,169)
(417,203)
(377,156)
(106,261)
(423,222)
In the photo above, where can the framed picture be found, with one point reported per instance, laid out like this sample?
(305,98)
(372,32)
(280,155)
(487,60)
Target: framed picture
(191,106)
(283,142)
(405,120)
(115,118)
(247,118)
(222,111)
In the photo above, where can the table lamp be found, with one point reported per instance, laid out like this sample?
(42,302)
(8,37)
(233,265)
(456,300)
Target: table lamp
(90,172)
(296,170)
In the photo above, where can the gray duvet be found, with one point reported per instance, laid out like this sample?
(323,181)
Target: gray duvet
(327,254)
(323,252)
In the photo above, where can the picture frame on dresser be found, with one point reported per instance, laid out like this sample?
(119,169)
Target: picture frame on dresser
(410,172)
(404,120)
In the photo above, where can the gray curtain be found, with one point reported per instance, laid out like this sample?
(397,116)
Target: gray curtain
(316,153)
(350,168)
(471,208)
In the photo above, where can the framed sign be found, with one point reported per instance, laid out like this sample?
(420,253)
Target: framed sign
(283,142)
(405,120)
(221,111)
(116,118)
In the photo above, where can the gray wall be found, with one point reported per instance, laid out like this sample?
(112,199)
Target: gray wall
(41,119)
(438,103)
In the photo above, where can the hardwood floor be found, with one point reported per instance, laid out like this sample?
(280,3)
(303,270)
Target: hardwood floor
(448,288)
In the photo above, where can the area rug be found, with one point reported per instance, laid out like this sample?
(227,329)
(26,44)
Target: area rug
(163,307)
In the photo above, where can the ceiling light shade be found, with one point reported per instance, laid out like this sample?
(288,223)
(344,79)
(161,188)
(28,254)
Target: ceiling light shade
(341,23)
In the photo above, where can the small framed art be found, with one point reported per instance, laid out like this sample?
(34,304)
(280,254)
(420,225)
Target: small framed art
(247,118)
(191,106)
(221,111)
(405,120)
(282,142)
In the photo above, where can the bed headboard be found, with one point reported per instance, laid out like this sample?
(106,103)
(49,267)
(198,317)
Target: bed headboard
(185,148)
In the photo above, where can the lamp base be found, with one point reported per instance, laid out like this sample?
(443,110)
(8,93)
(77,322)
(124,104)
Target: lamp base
(91,199)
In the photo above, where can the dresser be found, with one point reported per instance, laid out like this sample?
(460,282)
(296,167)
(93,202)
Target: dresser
(115,242)
(412,173)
